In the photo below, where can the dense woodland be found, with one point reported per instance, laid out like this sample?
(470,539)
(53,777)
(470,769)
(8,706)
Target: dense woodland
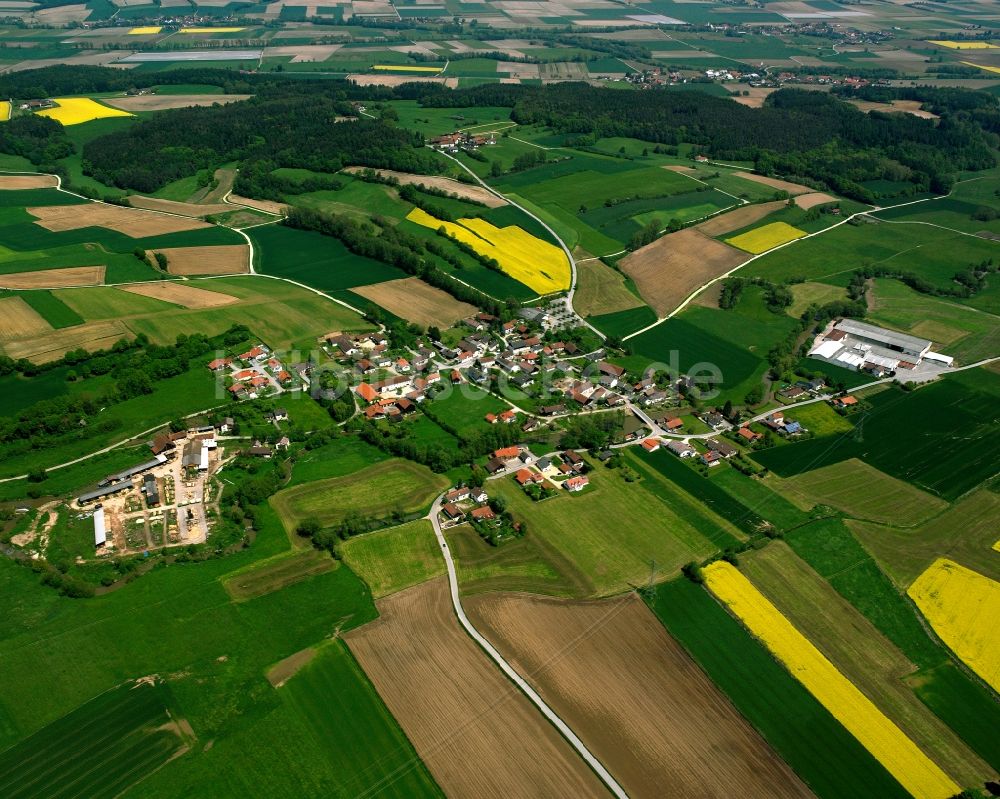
(796,133)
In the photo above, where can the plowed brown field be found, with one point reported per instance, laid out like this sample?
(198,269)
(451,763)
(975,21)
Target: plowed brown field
(54,278)
(219,259)
(669,269)
(132,222)
(415,301)
(478,735)
(634,696)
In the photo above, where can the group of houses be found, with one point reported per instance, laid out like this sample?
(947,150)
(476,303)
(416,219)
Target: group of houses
(257,373)
(467,502)
(463,140)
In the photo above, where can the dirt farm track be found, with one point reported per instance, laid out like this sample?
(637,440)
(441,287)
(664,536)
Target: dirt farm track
(478,735)
(634,696)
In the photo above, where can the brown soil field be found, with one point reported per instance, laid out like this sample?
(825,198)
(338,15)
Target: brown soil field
(774,183)
(416,301)
(755,97)
(219,259)
(477,733)
(399,80)
(634,696)
(669,269)
(181,294)
(132,222)
(163,102)
(54,278)
(895,107)
(600,290)
(684,170)
(476,193)
(267,206)
(173,207)
(813,198)
(27,182)
(19,320)
(55,344)
(282,671)
(738,218)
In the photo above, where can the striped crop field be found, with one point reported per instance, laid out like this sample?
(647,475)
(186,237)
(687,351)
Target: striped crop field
(766,238)
(541,266)
(887,743)
(963,607)
(101,749)
(144,30)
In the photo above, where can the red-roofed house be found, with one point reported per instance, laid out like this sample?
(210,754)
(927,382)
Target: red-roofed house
(366,392)
(673,423)
(527,477)
(508,416)
(507,453)
(244,374)
(748,435)
(491,418)
(219,364)
(651,444)
(845,402)
(483,514)
(284,377)
(576,483)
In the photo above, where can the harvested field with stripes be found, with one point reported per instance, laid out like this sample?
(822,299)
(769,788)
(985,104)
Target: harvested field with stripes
(10,182)
(415,301)
(19,320)
(669,269)
(54,278)
(220,259)
(775,183)
(634,696)
(51,346)
(814,198)
(132,222)
(182,294)
(477,733)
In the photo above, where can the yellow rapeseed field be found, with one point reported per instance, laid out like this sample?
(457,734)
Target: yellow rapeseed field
(145,30)
(963,607)
(887,743)
(211,30)
(981,66)
(5,109)
(405,68)
(963,45)
(75,110)
(541,266)
(767,237)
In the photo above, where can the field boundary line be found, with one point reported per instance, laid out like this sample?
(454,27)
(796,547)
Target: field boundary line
(603,774)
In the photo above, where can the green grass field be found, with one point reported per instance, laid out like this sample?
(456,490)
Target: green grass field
(394,485)
(316,260)
(526,564)
(394,559)
(819,418)
(279,313)
(919,424)
(965,532)
(760,497)
(612,532)
(101,749)
(859,651)
(863,492)
(956,328)
(464,408)
(171,398)
(827,757)
(214,653)
(934,254)
(276,573)
(339,458)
